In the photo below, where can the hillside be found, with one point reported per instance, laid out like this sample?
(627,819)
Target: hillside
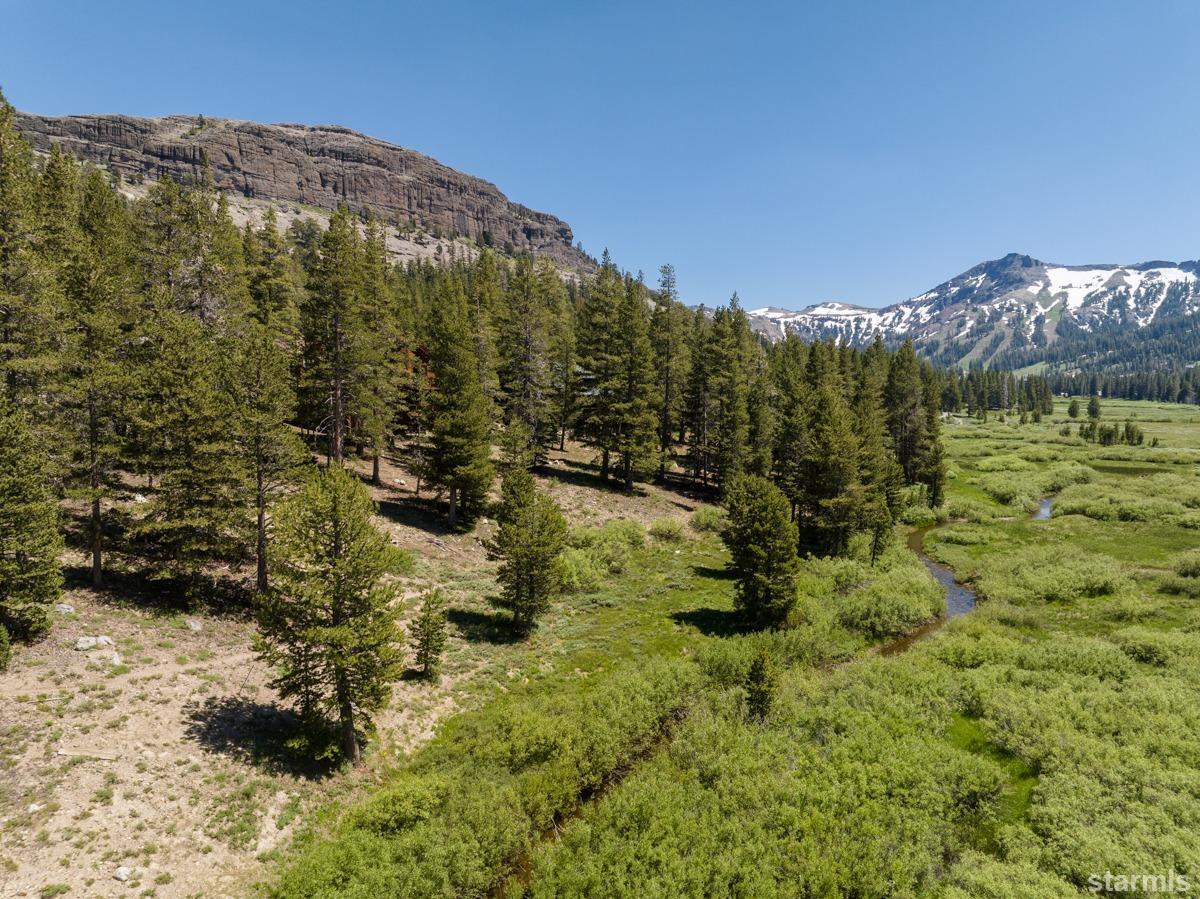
(1013,311)
(312,166)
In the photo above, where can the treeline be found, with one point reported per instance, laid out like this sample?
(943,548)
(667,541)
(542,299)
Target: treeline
(1121,359)
(981,390)
(1168,383)
(171,366)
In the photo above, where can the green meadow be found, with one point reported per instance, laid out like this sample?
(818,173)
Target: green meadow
(1048,736)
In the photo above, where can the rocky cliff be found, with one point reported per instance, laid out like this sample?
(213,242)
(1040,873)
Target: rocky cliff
(319,166)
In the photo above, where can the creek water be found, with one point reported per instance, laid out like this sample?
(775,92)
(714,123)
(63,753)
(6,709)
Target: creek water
(959,598)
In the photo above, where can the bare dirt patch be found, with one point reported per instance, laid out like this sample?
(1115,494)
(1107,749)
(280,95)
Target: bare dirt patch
(160,758)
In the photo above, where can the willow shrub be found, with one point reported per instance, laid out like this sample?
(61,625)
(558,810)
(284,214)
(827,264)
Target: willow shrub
(846,789)
(901,599)
(1051,575)
(487,787)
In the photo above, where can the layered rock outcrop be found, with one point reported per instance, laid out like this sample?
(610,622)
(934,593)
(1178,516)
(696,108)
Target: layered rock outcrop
(318,166)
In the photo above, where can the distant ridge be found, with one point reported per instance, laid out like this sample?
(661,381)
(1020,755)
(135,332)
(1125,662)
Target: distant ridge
(320,166)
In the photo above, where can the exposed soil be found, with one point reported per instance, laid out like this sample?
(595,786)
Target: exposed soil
(167,765)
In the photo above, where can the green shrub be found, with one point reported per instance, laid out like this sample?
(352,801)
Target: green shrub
(610,546)
(1052,575)
(1188,564)
(708,520)
(5,649)
(1004,463)
(668,530)
(1008,488)
(893,604)
(967,509)
(579,571)
(963,535)
(1065,474)
(480,793)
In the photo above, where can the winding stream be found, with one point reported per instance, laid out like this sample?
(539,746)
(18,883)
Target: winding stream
(960,599)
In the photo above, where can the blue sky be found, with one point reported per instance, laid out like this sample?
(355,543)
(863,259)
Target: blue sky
(794,152)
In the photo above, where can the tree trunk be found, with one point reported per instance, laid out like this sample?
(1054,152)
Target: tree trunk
(337,434)
(94,482)
(261,549)
(350,748)
(604,465)
(97,546)
(628,474)
(453,516)
(375,479)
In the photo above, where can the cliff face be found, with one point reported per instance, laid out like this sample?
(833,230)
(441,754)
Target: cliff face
(318,166)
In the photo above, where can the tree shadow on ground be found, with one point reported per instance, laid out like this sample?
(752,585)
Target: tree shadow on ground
(252,732)
(583,474)
(223,596)
(483,627)
(421,513)
(713,622)
(715,574)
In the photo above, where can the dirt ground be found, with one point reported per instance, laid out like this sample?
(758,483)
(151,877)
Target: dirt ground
(154,766)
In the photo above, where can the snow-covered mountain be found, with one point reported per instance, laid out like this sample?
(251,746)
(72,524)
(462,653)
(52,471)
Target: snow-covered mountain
(1014,303)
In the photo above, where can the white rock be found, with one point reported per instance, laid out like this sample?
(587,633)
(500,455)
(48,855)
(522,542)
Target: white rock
(193,624)
(122,874)
(116,658)
(83,644)
(34,807)
(65,608)
(104,641)
(138,498)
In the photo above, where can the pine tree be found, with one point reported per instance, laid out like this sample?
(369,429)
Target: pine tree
(183,416)
(632,401)
(428,633)
(831,504)
(275,283)
(329,626)
(762,545)
(525,328)
(460,429)
(598,337)
(28,309)
(904,400)
(933,456)
(377,350)
(95,379)
(730,388)
(262,402)
(668,332)
(30,544)
(334,326)
(789,363)
(1073,408)
(881,475)
(699,413)
(563,377)
(1093,409)
(760,415)
(762,682)
(528,543)
(484,308)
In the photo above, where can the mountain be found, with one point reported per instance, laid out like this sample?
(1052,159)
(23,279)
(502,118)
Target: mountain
(300,167)
(1014,309)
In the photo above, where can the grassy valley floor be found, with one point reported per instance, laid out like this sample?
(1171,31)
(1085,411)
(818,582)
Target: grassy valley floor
(1047,736)
(1044,739)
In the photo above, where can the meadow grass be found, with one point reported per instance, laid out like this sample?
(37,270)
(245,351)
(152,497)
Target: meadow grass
(1052,733)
